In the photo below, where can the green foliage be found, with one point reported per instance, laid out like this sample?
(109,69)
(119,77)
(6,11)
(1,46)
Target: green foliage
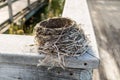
(15,29)
(53,9)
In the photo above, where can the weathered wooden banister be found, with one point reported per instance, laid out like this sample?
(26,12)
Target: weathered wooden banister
(28,2)
(18,11)
(19,59)
(11,11)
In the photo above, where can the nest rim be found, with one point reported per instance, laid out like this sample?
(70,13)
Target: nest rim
(51,23)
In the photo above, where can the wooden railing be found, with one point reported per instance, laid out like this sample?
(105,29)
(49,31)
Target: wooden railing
(26,10)
(18,59)
(11,11)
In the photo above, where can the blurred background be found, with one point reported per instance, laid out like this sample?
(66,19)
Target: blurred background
(105,15)
(53,8)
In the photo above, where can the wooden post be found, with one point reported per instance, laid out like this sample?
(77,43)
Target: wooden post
(28,2)
(10,10)
(38,0)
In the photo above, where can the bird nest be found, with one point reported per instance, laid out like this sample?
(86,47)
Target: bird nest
(58,38)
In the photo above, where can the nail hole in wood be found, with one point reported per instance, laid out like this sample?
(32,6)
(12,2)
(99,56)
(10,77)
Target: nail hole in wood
(71,73)
(58,72)
(85,64)
(19,78)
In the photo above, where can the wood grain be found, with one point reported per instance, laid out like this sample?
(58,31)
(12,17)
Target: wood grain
(17,49)
(26,72)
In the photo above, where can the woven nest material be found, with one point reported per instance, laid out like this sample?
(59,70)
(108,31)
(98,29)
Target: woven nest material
(59,37)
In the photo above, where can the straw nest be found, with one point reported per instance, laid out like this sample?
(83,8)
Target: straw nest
(58,38)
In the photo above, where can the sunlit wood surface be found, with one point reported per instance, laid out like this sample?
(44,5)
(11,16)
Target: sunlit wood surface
(106,20)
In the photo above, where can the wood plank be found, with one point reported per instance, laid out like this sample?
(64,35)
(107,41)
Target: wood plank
(21,52)
(13,54)
(26,72)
